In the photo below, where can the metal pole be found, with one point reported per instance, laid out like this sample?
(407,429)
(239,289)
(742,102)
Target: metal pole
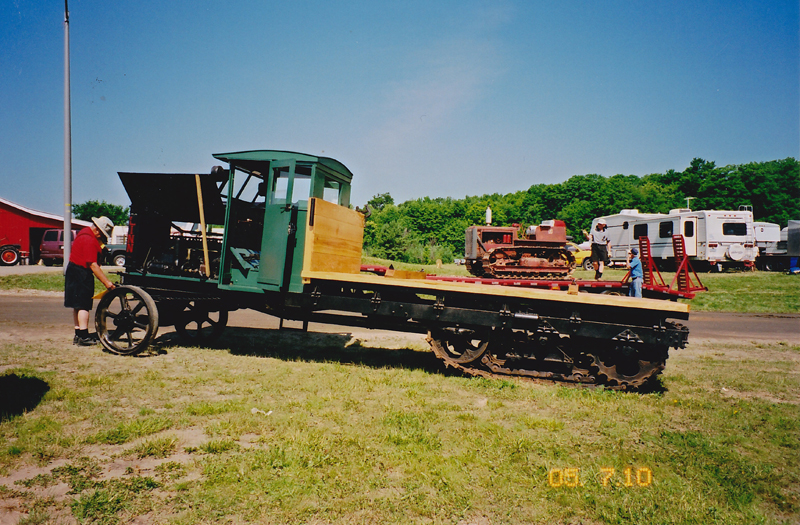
(67,146)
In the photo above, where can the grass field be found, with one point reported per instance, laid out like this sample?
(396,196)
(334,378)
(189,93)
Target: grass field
(291,427)
(305,428)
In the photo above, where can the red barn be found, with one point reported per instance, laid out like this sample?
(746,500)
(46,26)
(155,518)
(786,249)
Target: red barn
(21,231)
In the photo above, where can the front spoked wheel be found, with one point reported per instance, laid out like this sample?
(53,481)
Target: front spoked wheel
(126,320)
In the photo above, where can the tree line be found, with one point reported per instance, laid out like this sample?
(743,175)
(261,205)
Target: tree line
(425,229)
(93,208)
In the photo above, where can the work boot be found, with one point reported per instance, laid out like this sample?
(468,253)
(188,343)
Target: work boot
(85,341)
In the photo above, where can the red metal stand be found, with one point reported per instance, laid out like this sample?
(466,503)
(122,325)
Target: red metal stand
(683,268)
(651,276)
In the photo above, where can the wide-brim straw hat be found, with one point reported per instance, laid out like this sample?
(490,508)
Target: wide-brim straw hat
(105,226)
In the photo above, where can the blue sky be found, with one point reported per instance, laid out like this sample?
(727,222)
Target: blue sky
(417,98)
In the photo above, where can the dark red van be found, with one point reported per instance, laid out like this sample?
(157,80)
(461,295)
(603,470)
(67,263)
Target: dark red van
(51,250)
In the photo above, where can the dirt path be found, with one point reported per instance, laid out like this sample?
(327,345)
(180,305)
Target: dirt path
(31,316)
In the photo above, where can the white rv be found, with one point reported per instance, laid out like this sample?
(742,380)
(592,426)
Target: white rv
(718,238)
(778,255)
(768,234)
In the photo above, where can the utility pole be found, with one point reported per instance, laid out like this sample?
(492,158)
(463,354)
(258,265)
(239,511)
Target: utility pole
(67,146)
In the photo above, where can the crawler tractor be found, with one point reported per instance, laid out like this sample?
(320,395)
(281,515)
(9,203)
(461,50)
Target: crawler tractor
(540,253)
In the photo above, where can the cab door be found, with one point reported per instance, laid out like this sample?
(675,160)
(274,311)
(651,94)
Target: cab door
(278,224)
(689,231)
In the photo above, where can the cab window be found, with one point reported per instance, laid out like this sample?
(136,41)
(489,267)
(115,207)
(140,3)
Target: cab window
(331,191)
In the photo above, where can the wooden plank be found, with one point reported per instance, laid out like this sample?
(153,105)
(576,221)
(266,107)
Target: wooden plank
(403,274)
(426,286)
(348,265)
(325,227)
(338,213)
(334,241)
(334,247)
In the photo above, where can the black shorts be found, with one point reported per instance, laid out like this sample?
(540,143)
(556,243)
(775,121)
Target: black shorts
(78,287)
(599,253)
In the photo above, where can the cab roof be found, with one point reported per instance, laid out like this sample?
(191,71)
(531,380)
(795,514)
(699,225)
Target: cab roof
(250,160)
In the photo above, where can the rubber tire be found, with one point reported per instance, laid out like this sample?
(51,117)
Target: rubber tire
(587,264)
(9,256)
(142,326)
(119,260)
(47,262)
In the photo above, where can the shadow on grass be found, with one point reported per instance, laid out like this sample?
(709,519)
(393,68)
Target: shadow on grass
(20,394)
(654,386)
(291,345)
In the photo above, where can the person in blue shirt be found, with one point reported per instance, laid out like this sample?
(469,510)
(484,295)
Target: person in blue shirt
(635,265)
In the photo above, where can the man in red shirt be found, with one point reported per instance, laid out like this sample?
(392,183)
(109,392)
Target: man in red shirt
(79,280)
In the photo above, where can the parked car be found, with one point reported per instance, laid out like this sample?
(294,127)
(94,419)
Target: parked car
(51,250)
(581,254)
(115,254)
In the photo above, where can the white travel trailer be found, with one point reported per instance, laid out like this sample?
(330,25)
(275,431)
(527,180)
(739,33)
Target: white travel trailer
(778,255)
(713,237)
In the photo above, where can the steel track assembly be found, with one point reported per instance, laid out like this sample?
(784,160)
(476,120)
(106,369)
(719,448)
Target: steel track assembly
(518,354)
(547,273)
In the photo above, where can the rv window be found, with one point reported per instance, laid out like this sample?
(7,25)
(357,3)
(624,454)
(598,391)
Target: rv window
(688,229)
(625,225)
(734,228)
(639,230)
(665,229)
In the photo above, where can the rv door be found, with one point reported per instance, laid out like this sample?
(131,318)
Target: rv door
(689,231)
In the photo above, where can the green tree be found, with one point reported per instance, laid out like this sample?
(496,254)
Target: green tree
(774,189)
(577,215)
(89,209)
(380,201)
(424,229)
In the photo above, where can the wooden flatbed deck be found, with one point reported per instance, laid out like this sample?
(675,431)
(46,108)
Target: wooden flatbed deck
(481,287)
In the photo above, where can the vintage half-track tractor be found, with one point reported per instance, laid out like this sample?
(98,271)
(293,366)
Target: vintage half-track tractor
(501,252)
(274,232)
